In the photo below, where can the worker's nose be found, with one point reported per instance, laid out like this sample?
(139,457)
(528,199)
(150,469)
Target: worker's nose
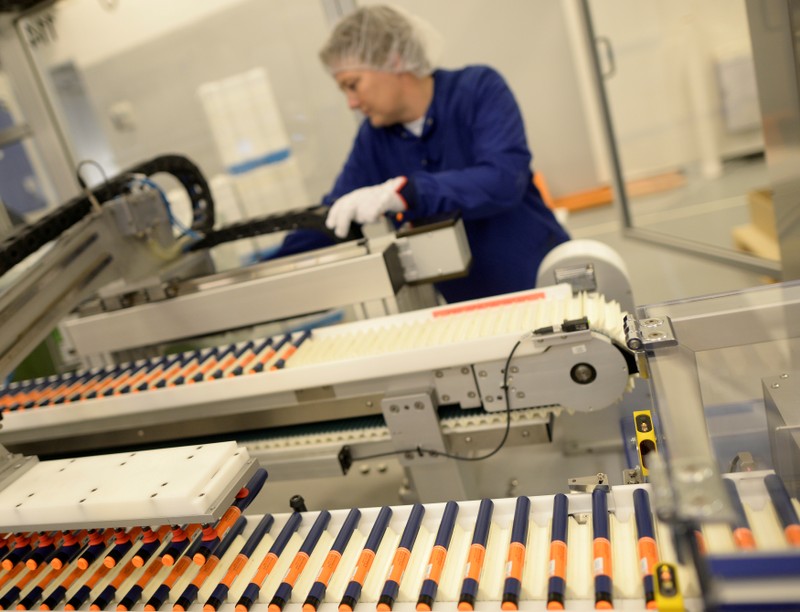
(352,101)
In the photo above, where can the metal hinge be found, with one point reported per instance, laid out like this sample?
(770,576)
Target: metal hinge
(649,334)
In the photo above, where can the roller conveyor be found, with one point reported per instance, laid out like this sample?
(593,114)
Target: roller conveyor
(430,348)
(318,532)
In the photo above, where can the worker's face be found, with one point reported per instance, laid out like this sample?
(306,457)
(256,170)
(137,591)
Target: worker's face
(379,95)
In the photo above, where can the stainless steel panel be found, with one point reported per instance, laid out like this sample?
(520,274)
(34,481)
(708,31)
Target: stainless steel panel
(229,306)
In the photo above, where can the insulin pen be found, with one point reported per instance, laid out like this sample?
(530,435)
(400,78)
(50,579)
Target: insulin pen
(284,590)
(161,594)
(516,555)
(427,593)
(189,594)
(252,590)
(243,499)
(291,350)
(742,535)
(236,566)
(477,552)
(557,583)
(353,591)
(400,561)
(648,551)
(784,507)
(317,591)
(601,552)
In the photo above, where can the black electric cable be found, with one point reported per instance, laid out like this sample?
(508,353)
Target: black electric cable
(422,451)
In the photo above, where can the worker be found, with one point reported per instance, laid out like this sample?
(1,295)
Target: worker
(435,142)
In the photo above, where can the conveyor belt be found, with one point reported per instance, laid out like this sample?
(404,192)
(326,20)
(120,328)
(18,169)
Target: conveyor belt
(627,574)
(362,358)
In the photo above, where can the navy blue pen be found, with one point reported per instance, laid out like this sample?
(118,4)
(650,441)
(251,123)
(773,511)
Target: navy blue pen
(284,590)
(742,535)
(189,594)
(400,561)
(243,499)
(516,554)
(35,594)
(249,356)
(477,552)
(782,503)
(122,544)
(252,590)
(601,551)
(317,591)
(353,591)
(161,594)
(291,350)
(430,585)
(45,547)
(646,546)
(226,363)
(262,360)
(22,548)
(557,583)
(134,594)
(71,545)
(12,594)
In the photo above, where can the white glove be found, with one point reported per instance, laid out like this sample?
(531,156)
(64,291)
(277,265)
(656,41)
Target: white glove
(366,205)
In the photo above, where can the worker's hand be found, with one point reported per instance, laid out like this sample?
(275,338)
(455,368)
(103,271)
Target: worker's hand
(366,205)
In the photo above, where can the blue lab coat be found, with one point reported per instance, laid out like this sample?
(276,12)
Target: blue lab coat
(472,157)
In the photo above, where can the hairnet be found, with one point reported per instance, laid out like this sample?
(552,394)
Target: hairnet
(380,38)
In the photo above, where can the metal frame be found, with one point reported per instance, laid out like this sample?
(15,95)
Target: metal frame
(694,491)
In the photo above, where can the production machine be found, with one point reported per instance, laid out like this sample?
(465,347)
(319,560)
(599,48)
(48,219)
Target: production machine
(417,385)
(706,519)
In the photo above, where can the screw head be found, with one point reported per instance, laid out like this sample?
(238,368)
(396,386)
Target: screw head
(465,370)
(439,373)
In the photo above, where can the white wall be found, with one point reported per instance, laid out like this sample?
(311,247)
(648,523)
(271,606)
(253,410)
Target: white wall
(149,55)
(86,32)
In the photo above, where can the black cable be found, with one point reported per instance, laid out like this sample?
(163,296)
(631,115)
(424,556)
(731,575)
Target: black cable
(421,451)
